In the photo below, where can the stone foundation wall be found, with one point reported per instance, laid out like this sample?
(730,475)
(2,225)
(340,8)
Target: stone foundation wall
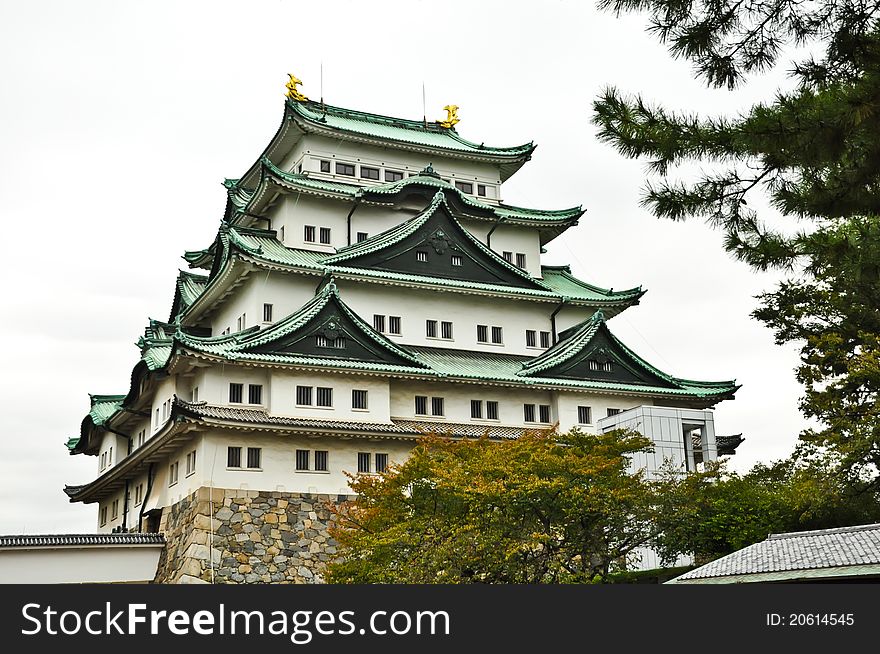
(248,537)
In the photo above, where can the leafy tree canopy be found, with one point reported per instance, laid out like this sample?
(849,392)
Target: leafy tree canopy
(814,152)
(540,509)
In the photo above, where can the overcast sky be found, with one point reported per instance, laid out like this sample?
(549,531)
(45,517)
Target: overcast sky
(119,120)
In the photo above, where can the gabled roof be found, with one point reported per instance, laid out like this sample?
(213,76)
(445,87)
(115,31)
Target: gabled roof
(589,351)
(430,138)
(263,248)
(243,203)
(187,288)
(324,319)
(437,235)
(103,407)
(841,553)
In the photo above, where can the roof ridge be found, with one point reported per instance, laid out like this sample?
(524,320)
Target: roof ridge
(824,532)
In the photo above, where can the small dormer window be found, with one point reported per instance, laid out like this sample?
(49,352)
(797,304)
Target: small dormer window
(337,343)
(593,365)
(422,256)
(309,233)
(325,235)
(607,366)
(520,260)
(456,260)
(465,187)
(393,176)
(507,256)
(362,236)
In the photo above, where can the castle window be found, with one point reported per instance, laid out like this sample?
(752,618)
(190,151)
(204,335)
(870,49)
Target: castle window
(379,323)
(381,461)
(593,365)
(254,457)
(422,256)
(529,412)
(194,394)
(476,408)
(359,399)
(309,233)
(613,412)
(482,333)
(369,173)
(115,512)
(103,515)
(545,339)
(173,469)
(457,260)
(520,260)
(394,325)
(138,494)
(236,393)
(497,335)
(491,410)
(344,169)
(233,457)
(363,462)
(281,233)
(421,405)
(325,235)
(190,463)
(304,396)
(431,328)
(465,187)
(607,366)
(142,436)
(324,396)
(544,413)
(362,236)
(255,393)
(325,166)
(242,322)
(585,415)
(393,175)
(337,343)
(507,256)
(321,460)
(436,406)
(267,313)
(302,460)
(531,338)
(446,330)
(481,190)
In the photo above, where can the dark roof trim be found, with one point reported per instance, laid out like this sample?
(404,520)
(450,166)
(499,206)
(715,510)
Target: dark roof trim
(75,540)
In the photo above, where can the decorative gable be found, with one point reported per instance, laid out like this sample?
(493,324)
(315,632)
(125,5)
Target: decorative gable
(327,328)
(433,244)
(590,351)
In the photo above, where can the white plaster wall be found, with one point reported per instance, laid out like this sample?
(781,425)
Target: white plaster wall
(79,565)
(415,306)
(165,390)
(457,401)
(214,383)
(283,396)
(312,148)
(569,401)
(296,210)
(286,292)
(278,459)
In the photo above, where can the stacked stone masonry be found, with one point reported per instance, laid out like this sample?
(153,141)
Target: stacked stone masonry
(248,537)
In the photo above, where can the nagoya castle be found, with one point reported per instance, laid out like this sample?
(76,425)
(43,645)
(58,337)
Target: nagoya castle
(367,285)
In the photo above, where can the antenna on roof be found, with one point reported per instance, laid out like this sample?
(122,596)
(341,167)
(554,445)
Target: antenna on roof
(323,109)
(424,109)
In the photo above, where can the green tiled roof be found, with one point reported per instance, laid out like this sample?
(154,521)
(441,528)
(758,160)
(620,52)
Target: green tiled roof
(378,193)
(263,245)
(72,442)
(104,406)
(396,130)
(482,366)
(188,287)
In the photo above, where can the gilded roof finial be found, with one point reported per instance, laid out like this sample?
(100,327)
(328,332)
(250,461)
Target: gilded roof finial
(292,92)
(451,116)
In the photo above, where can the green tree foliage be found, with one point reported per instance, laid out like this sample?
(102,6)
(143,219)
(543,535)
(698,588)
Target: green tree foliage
(717,512)
(814,152)
(540,509)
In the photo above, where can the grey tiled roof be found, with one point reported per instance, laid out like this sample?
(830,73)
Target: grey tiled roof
(407,427)
(803,550)
(67,540)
